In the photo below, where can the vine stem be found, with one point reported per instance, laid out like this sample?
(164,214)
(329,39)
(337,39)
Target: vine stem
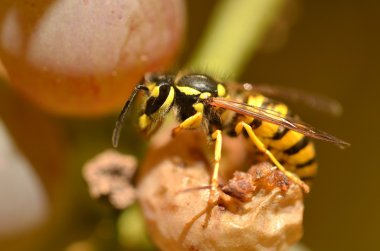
(234,33)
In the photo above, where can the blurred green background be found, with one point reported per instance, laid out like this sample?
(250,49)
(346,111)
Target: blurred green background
(328,47)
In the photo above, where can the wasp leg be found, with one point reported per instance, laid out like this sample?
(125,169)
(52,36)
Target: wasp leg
(239,127)
(190,122)
(217,136)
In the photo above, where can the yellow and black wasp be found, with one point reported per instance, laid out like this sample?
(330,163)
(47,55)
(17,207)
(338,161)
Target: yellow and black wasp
(201,101)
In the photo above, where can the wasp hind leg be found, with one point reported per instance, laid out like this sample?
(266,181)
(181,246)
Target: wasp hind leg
(260,145)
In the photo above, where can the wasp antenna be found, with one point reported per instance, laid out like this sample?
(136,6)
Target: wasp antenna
(123,113)
(116,134)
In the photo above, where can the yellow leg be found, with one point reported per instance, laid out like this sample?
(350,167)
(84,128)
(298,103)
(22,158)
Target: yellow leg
(217,136)
(239,127)
(190,122)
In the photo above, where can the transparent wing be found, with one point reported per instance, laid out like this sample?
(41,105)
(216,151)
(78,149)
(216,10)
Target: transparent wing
(316,101)
(276,118)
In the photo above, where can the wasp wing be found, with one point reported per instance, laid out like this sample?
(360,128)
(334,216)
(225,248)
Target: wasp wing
(316,101)
(276,118)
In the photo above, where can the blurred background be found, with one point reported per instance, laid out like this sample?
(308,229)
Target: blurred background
(327,47)
(333,48)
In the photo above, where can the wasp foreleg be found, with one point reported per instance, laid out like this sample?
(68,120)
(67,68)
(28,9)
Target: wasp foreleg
(193,121)
(190,122)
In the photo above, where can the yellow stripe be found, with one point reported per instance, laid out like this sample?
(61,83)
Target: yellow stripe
(281,108)
(221,90)
(198,107)
(151,86)
(267,129)
(155,92)
(144,121)
(169,100)
(307,170)
(288,140)
(302,156)
(256,100)
(188,90)
(205,95)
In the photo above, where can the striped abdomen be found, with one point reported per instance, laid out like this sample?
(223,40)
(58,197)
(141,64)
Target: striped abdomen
(294,150)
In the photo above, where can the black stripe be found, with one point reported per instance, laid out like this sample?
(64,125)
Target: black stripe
(297,146)
(306,163)
(266,103)
(307,178)
(154,103)
(281,131)
(256,123)
(291,114)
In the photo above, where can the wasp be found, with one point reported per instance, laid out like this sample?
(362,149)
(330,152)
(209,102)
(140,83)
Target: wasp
(231,109)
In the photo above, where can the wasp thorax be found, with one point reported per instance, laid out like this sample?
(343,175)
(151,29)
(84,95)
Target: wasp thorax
(199,83)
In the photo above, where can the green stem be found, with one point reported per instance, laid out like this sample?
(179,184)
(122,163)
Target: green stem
(234,33)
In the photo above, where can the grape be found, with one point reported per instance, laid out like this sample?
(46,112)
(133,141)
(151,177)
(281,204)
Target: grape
(82,58)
